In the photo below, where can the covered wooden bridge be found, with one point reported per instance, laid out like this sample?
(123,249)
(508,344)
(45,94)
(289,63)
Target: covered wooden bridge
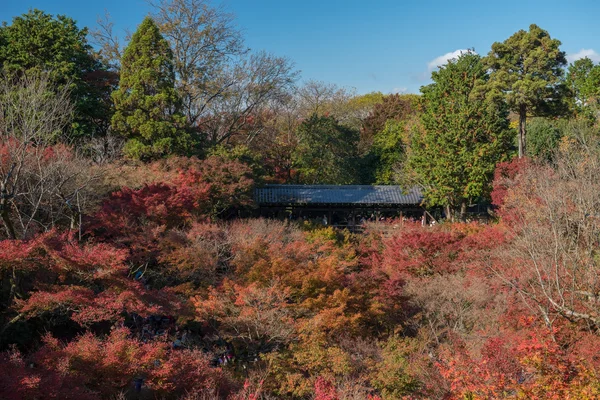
(338,205)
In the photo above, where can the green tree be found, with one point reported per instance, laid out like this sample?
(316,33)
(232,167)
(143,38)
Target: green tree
(397,107)
(583,79)
(543,137)
(388,150)
(38,42)
(204,40)
(383,136)
(393,375)
(364,103)
(326,152)
(242,154)
(146,103)
(527,71)
(463,136)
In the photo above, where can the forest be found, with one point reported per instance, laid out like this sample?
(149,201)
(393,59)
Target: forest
(131,268)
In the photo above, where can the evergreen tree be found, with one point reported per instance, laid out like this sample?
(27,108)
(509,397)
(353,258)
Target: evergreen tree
(388,150)
(583,79)
(326,152)
(39,42)
(146,103)
(463,137)
(543,137)
(527,71)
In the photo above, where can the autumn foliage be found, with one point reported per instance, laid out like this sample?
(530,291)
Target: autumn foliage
(132,264)
(163,295)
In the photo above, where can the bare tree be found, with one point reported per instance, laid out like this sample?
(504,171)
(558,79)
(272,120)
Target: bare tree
(316,97)
(220,83)
(108,41)
(257,84)
(42,183)
(205,41)
(105,149)
(556,213)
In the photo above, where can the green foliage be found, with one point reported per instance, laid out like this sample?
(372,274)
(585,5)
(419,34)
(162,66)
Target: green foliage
(366,101)
(583,79)
(543,137)
(146,103)
(395,106)
(527,72)
(243,154)
(579,131)
(382,135)
(464,136)
(318,233)
(388,147)
(326,152)
(39,42)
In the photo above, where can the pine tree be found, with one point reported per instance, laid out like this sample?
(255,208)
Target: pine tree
(527,72)
(146,103)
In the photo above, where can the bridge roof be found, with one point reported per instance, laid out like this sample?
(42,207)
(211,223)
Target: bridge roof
(336,194)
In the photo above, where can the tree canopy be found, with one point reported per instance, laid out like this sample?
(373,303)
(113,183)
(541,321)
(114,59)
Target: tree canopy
(325,152)
(583,79)
(40,42)
(527,71)
(395,107)
(464,136)
(146,103)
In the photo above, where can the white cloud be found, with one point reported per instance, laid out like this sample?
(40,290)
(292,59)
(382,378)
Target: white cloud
(443,59)
(399,90)
(589,53)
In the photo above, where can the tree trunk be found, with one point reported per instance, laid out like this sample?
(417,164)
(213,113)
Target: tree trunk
(5,197)
(15,286)
(448,212)
(463,210)
(5,216)
(10,230)
(522,133)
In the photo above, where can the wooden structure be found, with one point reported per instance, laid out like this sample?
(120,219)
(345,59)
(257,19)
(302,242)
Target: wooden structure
(338,205)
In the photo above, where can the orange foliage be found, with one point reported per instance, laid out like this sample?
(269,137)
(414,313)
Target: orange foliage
(259,308)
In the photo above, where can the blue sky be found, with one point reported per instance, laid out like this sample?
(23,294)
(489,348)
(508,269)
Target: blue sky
(377,45)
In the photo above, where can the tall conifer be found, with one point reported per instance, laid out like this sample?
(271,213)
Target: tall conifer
(464,136)
(527,72)
(146,103)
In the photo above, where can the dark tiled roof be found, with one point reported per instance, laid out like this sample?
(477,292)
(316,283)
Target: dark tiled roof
(336,194)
